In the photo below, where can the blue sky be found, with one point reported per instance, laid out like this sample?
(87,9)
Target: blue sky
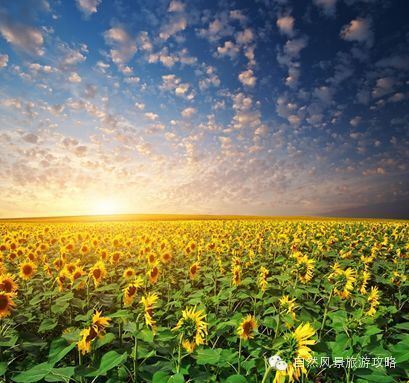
(243,107)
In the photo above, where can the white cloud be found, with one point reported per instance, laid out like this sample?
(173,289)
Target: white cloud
(288,57)
(211,79)
(88,7)
(358,30)
(4,59)
(286,25)
(174,84)
(144,41)
(237,15)
(176,6)
(247,78)
(217,29)
(188,112)
(124,46)
(293,119)
(293,47)
(397,97)
(74,78)
(176,24)
(245,37)
(384,86)
(139,106)
(72,57)
(228,49)
(24,37)
(151,116)
(327,6)
(324,93)
(396,61)
(36,68)
(355,121)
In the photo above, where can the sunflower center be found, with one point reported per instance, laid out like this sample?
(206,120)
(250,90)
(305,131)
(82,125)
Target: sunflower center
(131,290)
(247,328)
(97,273)
(27,269)
(4,302)
(6,286)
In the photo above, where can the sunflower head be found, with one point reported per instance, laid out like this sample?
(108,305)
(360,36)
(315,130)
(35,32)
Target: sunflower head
(8,284)
(99,323)
(87,335)
(131,290)
(153,274)
(247,328)
(236,275)
(192,328)
(27,270)
(193,270)
(6,304)
(129,273)
(296,346)
(98,272)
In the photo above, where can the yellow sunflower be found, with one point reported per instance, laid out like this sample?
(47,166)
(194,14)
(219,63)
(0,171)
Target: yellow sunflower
(192,329)
(263,278)
(343,280)
(6,304)
(100,323)
(87,335)
(130,291)
(193,270)
(153,274)
(236,275)
(288,305)
(8,284)
(373,300)
(129,273)
(304,268)
(247,327)
(295,346)
(149,302)
(98,272)
(27,270)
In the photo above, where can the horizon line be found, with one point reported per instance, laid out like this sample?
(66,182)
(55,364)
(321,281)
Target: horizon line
(176,216)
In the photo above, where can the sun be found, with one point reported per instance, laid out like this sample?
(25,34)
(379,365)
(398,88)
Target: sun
(106,205)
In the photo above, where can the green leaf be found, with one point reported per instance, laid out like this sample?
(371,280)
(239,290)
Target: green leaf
(59,308)
(3,368)
(236,379)
(60,374)
(374,376)
(34,374)
(109,361)
(372,330)
(208,356)
(400,351)
(120,314)
(402,326)
(146,335)
(177,378)
(160,377)
(58,349)
(108,338)
(47,324)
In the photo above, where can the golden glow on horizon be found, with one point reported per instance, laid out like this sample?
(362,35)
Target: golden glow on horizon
(106,206)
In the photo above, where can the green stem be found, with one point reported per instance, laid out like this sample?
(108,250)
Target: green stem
(277,326)
(80,364)
(266,374)
(239,360)
(326,311)
(179,355)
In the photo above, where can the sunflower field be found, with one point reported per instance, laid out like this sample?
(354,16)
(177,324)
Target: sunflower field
(242,300)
